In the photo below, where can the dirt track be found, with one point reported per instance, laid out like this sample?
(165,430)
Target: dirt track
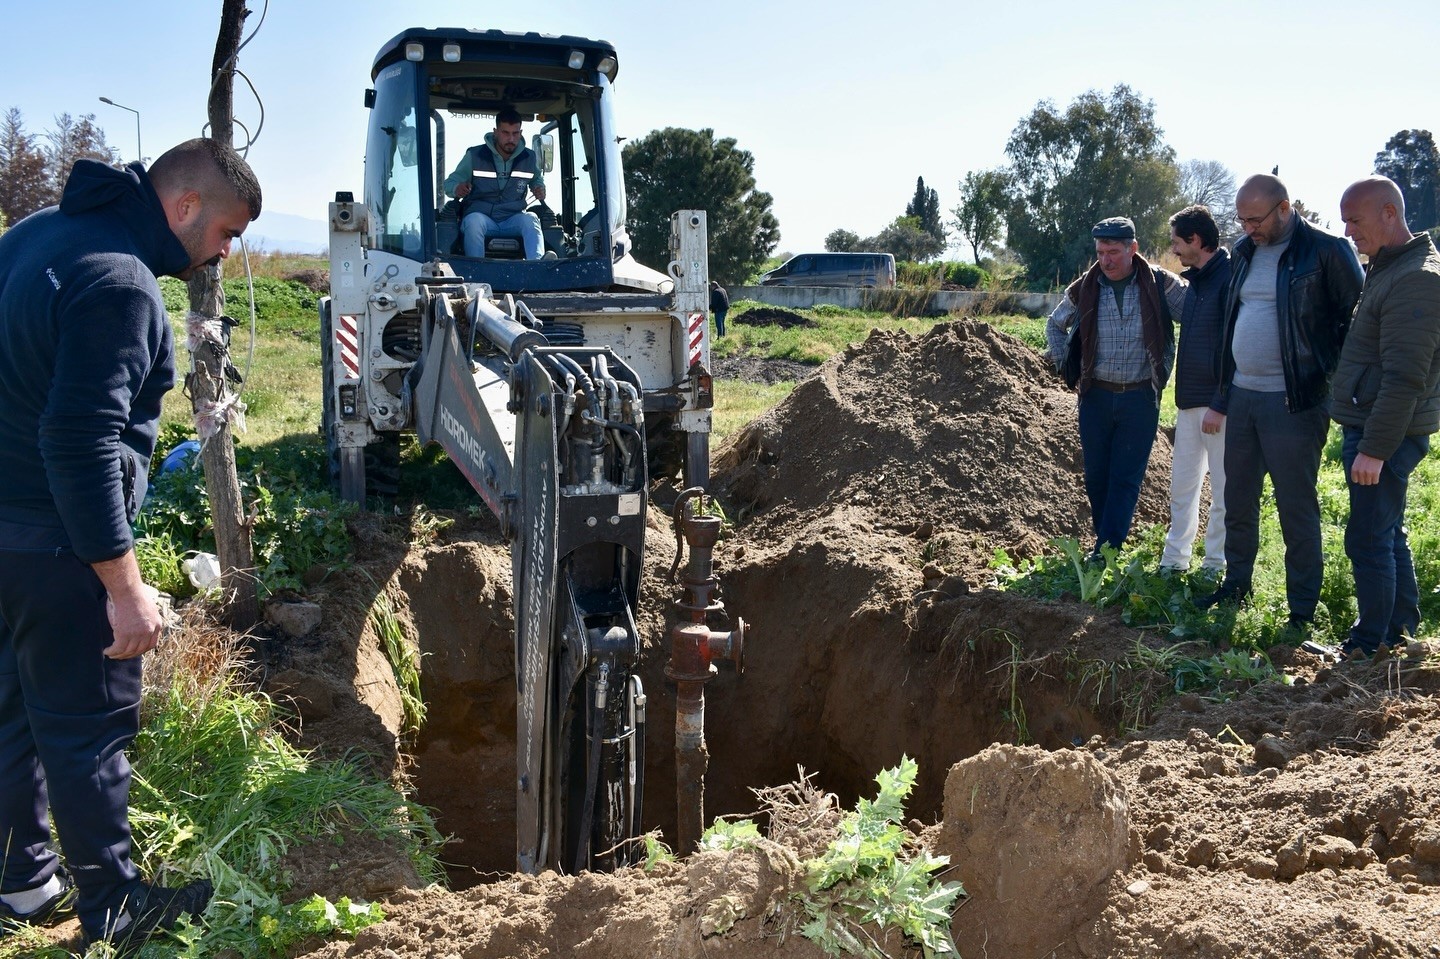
(1295,821)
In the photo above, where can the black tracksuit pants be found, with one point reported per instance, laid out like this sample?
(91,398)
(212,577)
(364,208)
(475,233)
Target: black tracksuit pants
(66,715)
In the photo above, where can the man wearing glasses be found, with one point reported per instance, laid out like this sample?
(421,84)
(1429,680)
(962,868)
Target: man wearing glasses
(1292,290)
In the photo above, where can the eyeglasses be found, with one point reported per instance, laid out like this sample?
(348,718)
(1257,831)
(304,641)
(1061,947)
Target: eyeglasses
(1252,222)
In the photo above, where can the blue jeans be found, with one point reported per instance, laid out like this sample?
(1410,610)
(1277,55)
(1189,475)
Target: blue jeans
(720,322)
(1385,589)
(1117,431)
(477,226)
(1263,437)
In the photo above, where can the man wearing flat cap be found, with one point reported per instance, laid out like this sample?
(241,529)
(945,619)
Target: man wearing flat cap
(1292,289)
(1122,310)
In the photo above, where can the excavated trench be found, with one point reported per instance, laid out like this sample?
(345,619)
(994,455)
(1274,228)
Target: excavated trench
(838,681)
(865,510)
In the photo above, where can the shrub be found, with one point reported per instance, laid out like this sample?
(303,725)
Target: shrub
(961,274)
(967,275)
(908,273)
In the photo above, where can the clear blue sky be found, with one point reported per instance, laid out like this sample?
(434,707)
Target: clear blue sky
(841,104)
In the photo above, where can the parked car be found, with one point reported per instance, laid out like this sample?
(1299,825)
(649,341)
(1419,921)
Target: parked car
(833,269)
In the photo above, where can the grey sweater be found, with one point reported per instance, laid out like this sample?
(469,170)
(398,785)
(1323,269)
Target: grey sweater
(1256,346)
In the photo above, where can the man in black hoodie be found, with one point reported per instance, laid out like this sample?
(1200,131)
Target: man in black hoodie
(1200,409)
(86,355)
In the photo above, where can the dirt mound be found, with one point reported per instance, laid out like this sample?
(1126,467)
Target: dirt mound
(1318,838)
(963,432)
(772,316)
(1006,812)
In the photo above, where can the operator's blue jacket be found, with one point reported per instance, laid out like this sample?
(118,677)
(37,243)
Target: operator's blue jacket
(85,356)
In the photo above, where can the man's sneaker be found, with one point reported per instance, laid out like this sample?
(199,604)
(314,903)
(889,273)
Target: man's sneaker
(1229,594)
(1300,624)
(1355,652)
(147,910)
(549,255)
(58,903)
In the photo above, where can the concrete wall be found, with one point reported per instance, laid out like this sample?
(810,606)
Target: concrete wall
(939,303)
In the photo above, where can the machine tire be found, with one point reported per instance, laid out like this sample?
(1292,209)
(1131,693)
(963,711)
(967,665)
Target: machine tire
(664,447)
(382,467)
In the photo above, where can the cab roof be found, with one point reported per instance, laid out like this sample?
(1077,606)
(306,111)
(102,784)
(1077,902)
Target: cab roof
(527,47)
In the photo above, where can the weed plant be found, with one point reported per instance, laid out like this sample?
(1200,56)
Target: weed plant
(299,524)
(1233,640)
(869,877)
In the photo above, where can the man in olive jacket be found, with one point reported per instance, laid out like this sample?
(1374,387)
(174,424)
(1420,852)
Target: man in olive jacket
(1386,396)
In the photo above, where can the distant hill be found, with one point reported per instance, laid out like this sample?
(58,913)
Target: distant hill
(287,233)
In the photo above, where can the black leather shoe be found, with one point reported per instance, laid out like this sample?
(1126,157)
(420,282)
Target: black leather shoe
(1229,594)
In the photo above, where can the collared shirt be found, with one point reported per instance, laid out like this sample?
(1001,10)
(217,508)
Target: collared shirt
(1120,342)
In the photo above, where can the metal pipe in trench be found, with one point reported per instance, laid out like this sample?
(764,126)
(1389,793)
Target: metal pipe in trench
(694,647)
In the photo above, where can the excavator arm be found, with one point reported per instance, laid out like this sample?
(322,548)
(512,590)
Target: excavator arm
(552,438)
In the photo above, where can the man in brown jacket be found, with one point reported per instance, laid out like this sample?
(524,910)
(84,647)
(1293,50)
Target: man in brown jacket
(1386,396)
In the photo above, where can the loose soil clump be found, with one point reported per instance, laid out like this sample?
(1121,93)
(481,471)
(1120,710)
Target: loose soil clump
(1294,820)
(772,316)
(757,370)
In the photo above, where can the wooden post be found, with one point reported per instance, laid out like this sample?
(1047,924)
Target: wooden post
(208,388)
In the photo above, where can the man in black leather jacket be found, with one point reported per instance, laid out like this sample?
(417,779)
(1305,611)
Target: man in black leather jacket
(1292,290)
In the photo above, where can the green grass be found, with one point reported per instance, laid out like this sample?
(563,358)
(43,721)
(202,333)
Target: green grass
(282,383)
(219,792)
(1164,605)
(737,402)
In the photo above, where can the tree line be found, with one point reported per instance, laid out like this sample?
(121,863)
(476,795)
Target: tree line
(34,167)
(1101,155)
(1104,155)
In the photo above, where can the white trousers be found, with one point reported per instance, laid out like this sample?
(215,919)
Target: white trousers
(1196,453)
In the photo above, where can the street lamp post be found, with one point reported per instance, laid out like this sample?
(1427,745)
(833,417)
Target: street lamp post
(139,153)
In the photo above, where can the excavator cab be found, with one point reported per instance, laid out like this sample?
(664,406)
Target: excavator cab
(436,96)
